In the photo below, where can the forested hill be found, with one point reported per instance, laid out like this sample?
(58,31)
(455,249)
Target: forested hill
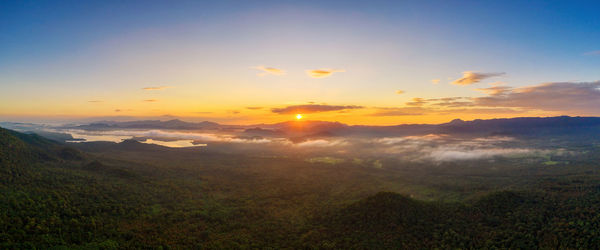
(52,195)
(502,220)
(18,151)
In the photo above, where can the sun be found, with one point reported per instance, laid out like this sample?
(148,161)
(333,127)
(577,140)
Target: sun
(298,116)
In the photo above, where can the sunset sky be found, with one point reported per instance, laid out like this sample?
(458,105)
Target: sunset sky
(243,62)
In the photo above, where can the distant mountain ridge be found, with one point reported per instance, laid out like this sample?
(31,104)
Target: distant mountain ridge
(560,125)
(174,124)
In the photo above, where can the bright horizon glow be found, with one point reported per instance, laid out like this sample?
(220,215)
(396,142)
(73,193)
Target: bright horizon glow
(298,116)
(261,62)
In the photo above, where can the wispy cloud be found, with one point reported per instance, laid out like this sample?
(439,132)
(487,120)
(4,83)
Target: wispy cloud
(569,97)
(409,111)
(556,96)
(312,108)
(444,106)
(452,102)
(592,53)
(417,102)
(496,90)
(157,88)
(150,100)
(322,73)
(470,77)
(269,71)
(254,108)
(400,92)
(435,81)
(95,101)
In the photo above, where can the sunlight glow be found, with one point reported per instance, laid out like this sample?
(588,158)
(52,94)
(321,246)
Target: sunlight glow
(298,116)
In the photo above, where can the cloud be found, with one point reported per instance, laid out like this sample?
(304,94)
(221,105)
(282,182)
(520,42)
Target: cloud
(254,108)
(556,96)
(446,99)
(440,148)
(444,108)
(157,88)
(162,135)
(312,108)
(451,153)
(566,97)
(454,104)
(474,110)
(470,77)
(150,100)
(95,101)
(321,143)
(417,102)
(117,110)
(435,81)
(322,73)
(269,71)
(400,92)
(399,111)
(496,90)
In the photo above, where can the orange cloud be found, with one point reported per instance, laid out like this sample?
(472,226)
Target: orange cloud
(406,111)
(435,81)
(417,102)
(400,92)
(496,90)
(312,108)
(470,77)
(322,73)
(150,100)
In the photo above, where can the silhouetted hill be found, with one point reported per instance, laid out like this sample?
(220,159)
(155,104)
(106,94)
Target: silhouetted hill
(12,149)
(524,126)
(562,125)
(303,130)
(125,145)
(149,124)
(498,220)
(21,147)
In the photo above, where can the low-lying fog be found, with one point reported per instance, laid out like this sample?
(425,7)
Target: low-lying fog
(331,149)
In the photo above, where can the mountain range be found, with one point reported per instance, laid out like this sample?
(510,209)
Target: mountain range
(508,126)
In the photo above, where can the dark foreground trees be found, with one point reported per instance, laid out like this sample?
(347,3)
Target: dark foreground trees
(52,196)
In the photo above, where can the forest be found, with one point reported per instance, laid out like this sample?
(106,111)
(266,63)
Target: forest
(104,195)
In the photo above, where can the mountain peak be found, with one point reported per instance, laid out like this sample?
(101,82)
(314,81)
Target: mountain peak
(456,122)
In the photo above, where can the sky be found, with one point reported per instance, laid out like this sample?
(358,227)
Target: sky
(245,62)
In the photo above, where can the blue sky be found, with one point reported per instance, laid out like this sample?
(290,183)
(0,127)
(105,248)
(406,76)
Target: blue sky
(57,56)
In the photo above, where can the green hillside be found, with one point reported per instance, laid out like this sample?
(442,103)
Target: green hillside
(502,220)
(132,195)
